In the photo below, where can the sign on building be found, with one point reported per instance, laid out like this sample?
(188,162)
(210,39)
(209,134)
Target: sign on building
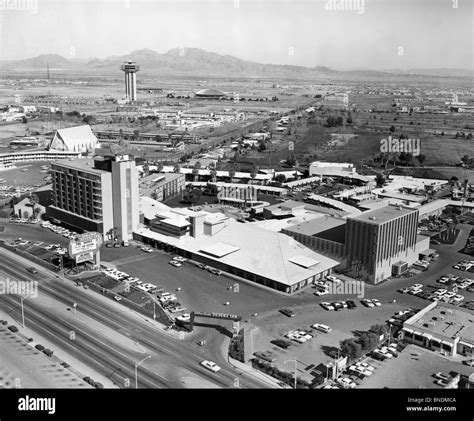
(86,247)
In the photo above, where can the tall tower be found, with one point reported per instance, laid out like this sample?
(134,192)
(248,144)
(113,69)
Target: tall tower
(130,68)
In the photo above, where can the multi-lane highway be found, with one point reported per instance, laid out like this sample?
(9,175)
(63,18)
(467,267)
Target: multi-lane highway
(104,356)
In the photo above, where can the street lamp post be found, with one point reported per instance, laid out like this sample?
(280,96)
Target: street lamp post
(74,306)
(154,313)
(136,369)
(296,366)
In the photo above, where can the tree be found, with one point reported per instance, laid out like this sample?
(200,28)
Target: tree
(183,158)
(232,172)
(421,158)
(34,200)
(290,160)
(280,178)
(192,195)
(213,174)
(159,166)
(349,119)
(197,165)
(176,169)
(368,341)
(380,180)
(351,348)
(466,160)
(146,168)
(195,173)
(379,329)
(392,128)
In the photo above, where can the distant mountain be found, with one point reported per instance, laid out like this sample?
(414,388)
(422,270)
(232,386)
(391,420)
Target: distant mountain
(438,72)
(198,62)
(55,61)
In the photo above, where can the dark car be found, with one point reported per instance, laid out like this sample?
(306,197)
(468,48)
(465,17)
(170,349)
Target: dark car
(32,270)
(12,328)
(287,312)
(39,347)
(266,356)
(48,352)
(109,244)
(351,304)
(281,343)
(337,306)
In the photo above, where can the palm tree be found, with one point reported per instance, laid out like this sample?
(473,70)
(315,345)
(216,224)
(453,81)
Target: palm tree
(34,200)
(232,173)
(213,173)
(195,173)
(177,169)
(159,166)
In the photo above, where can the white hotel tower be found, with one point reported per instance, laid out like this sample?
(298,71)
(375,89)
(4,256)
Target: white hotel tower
(130,68)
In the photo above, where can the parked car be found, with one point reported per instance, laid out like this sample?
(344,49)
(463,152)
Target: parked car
(287,312)
(39,347)
(281,343)
(175,263)
(351,304)
(327,306)
(12,328)
(322,328)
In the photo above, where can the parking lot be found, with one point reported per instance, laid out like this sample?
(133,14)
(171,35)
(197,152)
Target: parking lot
(414,367)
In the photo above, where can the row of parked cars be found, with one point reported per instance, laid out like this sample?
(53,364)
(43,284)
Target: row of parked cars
(167,300)
(24,221)
(59,230)
(439,294)
(464,265)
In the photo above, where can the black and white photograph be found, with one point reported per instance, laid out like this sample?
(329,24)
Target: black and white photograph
(206,204)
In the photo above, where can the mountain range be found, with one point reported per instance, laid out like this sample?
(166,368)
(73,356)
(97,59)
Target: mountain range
(198,62)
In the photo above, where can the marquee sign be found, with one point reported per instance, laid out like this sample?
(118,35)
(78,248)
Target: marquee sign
(88,242)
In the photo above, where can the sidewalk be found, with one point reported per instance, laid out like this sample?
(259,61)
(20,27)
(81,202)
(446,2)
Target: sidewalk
(274,383)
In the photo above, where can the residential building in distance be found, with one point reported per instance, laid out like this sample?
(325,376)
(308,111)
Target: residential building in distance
(97,194)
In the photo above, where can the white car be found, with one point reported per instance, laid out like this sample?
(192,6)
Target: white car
(147,249)
(327,306)
(417,286)
(184,317)
(320,283)
(210,366)
(175,263)
(321,327)
(376,302)
(180,259)
(320,292)
(440,292)
(333,279)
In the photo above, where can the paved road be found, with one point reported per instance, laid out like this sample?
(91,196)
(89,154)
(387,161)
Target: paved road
(178,354)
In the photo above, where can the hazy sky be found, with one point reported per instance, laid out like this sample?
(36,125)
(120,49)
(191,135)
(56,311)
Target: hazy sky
(432,33)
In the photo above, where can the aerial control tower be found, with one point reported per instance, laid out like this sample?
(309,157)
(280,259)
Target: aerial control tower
(130,68)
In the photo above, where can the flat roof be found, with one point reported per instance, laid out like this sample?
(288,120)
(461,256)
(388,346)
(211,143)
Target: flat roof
(317,225)
(381,215)
(81,164)
(444,320)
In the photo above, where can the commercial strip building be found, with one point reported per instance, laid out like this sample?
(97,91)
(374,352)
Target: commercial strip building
(441,327)
(267,258)
(40,155)
(98,194)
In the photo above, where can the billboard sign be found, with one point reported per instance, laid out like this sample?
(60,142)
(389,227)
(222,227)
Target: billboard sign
(85,257)
(84,243)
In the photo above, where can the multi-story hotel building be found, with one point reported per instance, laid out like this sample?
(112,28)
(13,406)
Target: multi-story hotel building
(380,242)
(96,195)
